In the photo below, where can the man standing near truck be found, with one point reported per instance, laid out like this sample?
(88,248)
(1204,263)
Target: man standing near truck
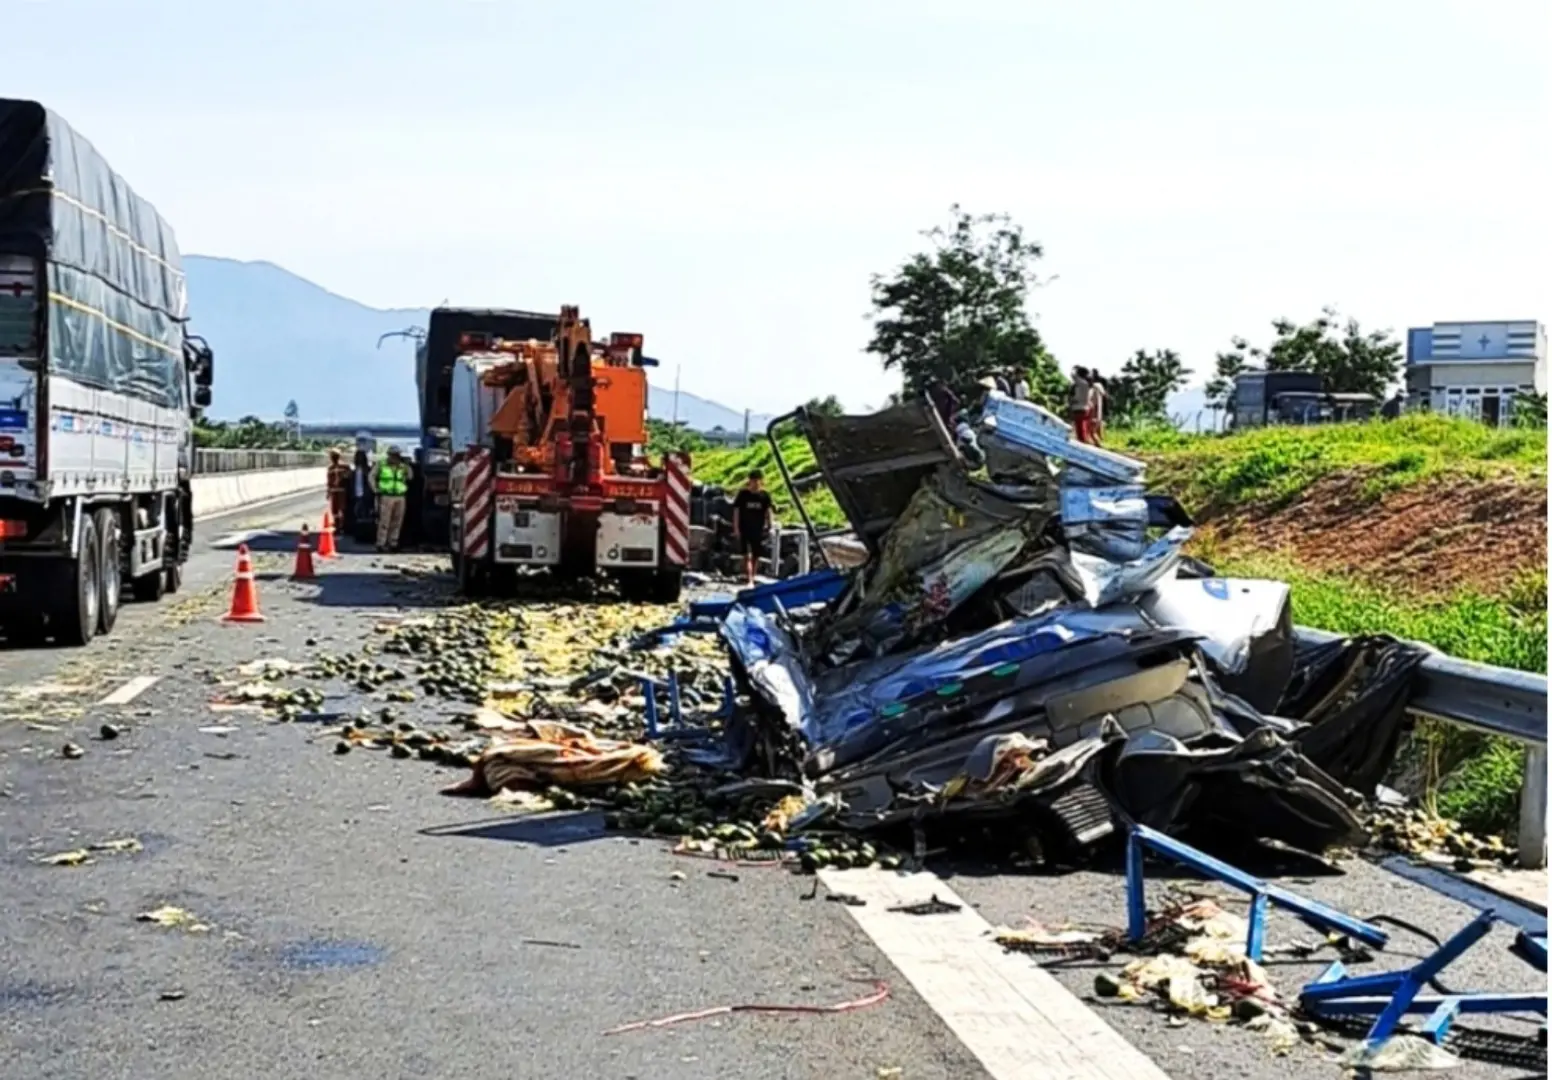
(339,488)
(751,521)
(390,483)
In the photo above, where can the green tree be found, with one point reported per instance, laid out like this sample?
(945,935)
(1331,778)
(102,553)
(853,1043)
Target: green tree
(957,312)
(1228,366)
(663,437)
(1140,393)
(1348,360)
(825,406)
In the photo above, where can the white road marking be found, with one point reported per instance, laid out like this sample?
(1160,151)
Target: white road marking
(130,690)
(1014,1017)
(232,539)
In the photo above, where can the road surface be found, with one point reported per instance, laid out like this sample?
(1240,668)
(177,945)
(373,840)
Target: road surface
(355,922)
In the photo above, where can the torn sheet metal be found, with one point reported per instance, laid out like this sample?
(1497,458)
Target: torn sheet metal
(770,660)
(1246,627)
(1258,788)
(1023,424)
(1353,695)
(874,464)
(1111,522)
(1105,582)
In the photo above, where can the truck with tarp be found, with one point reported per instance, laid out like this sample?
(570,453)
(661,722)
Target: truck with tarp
(100,384)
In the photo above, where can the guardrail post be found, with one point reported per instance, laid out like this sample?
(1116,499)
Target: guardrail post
(1533,810)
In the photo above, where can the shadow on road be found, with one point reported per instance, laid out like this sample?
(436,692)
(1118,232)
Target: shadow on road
(542,830)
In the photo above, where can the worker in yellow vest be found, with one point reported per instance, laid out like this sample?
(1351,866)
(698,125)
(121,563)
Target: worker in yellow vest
(391,483)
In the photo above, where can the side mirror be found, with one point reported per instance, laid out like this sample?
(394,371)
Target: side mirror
(202,396)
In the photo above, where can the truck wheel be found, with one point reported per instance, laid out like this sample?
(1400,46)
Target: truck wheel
(148,588)
(667,583)
(110,568)
(72,613)
(471,581)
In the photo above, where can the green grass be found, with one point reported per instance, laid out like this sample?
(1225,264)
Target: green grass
(730,468)
(1211,473)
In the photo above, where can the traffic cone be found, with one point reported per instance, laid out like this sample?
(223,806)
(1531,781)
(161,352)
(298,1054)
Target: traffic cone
(304,557)
(326,537)
(245,594)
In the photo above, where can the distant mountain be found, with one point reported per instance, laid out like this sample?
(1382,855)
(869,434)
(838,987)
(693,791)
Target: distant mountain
(278,337)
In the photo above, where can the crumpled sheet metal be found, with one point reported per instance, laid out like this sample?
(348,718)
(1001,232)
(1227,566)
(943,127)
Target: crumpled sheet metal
(1025,424)
(1105,582)
(1111,522)
(551,753)
(1231,614)
(851,697)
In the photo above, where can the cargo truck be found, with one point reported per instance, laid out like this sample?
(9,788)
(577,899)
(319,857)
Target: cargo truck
(100,384)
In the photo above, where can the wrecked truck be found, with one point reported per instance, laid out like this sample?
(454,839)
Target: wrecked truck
(1026,641)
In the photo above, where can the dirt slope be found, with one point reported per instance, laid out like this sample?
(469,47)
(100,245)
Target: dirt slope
(1440,535)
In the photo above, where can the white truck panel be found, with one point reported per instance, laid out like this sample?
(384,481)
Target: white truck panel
(524,536)
(473,404)
(628,541)
(101,442)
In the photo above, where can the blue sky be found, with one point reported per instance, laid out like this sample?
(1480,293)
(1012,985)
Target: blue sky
(724,176)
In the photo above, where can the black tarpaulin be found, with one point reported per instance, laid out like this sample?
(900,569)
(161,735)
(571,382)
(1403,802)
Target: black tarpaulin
(436,355)
(117,300)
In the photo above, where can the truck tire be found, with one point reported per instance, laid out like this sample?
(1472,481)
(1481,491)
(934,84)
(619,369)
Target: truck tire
(72,610)
(667,584)
(148,588)
(110,568)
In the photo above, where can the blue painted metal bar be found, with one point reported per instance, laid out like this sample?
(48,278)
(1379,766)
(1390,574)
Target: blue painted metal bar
(819,587)
(1391,995)
(1532,948)
(1262,893)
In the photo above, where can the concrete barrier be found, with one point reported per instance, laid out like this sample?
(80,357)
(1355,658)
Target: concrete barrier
(219,492)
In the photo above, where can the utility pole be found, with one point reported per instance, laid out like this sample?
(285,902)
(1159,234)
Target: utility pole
(746,427)
(676,395)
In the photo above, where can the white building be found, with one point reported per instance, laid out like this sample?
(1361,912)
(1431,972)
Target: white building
(1475,369)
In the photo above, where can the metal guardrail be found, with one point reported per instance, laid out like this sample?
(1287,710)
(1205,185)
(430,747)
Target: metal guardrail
(211,462)
(1499,701)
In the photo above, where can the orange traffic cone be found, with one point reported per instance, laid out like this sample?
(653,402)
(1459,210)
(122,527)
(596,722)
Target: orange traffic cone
(304,557)
(245,594)
(326,537)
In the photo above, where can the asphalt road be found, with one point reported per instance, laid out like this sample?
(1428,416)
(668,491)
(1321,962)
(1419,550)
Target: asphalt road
(359,923)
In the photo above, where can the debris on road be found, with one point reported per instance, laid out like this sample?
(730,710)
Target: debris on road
(83,856)
(880,993)
(109,732)
(175,918)
(71,751)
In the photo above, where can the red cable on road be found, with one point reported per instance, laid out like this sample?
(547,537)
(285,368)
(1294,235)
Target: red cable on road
(880,993)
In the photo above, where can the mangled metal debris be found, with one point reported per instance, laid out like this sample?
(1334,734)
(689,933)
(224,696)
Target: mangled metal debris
(1028,641)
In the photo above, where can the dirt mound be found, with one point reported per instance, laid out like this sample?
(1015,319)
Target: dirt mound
(1439,535)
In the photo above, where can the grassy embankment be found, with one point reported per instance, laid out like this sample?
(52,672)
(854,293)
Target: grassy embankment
(1474,779)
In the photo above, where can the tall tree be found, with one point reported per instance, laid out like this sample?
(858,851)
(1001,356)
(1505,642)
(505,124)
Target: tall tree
(1347,359)
(826,406)
(957,312)
(1229,365)
(1140,393)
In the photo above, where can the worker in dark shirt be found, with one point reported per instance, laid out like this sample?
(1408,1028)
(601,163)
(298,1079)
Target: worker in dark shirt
(751,521)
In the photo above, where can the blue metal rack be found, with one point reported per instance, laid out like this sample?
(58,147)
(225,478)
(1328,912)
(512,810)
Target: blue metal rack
(676,728)
(1391,995)
(1262,893)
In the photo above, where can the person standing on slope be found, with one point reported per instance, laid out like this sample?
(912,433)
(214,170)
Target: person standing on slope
(1078,404)
(1098,393)
(390,483)
(751,521)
